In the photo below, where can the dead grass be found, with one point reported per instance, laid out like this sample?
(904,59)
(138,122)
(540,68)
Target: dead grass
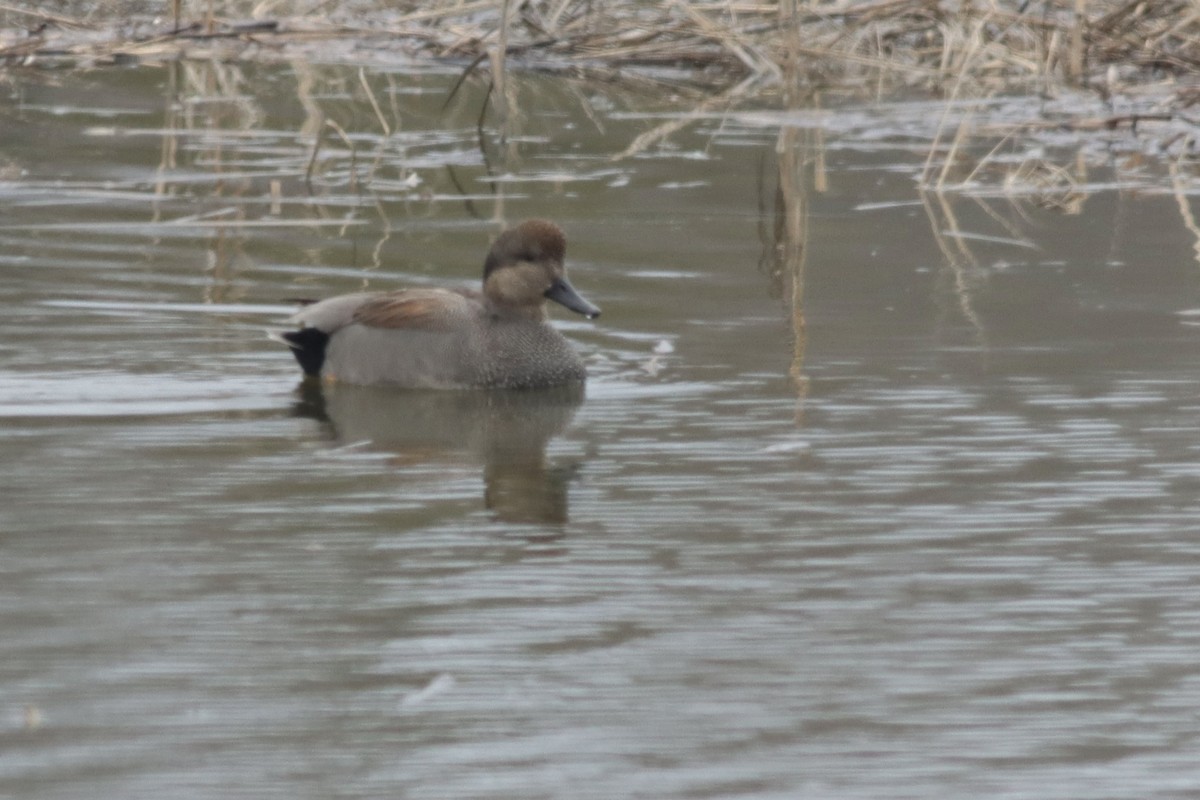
(1103,45)
(1138,58)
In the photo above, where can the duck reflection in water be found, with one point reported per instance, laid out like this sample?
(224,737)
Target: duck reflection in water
(506,431)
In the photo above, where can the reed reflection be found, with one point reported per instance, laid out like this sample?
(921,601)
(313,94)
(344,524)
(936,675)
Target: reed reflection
(506,432)
(783,226)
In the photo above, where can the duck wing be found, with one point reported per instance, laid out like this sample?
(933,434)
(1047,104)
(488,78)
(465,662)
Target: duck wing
(416,338)
(435,310)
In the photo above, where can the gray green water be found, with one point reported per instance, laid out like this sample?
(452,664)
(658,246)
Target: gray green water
(843,514)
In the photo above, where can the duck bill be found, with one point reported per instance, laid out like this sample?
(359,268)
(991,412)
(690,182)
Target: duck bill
(564,293)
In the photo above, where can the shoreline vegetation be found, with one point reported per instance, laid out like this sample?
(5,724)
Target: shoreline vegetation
(1108,46)
(1090,72)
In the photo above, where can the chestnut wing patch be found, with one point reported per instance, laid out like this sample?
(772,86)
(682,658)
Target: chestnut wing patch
(416,309)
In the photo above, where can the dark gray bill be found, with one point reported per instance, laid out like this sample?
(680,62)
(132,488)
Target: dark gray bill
(563,292)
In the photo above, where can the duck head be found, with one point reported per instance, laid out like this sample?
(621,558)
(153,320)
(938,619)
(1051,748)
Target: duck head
(525,268)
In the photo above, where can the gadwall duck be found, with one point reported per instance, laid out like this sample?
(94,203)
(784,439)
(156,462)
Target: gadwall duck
(453,338)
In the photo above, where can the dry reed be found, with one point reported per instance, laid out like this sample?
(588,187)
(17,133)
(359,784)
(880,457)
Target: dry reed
(1137,57)
(1103,44)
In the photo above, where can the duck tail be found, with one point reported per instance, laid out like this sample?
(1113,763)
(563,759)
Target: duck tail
(308,346)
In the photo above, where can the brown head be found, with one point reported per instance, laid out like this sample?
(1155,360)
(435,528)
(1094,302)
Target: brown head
(525,268)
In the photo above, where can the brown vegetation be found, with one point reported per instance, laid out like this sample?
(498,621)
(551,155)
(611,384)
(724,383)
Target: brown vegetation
(1124,66)
(1106,45)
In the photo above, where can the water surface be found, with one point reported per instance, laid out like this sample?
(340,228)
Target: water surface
(872,494)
